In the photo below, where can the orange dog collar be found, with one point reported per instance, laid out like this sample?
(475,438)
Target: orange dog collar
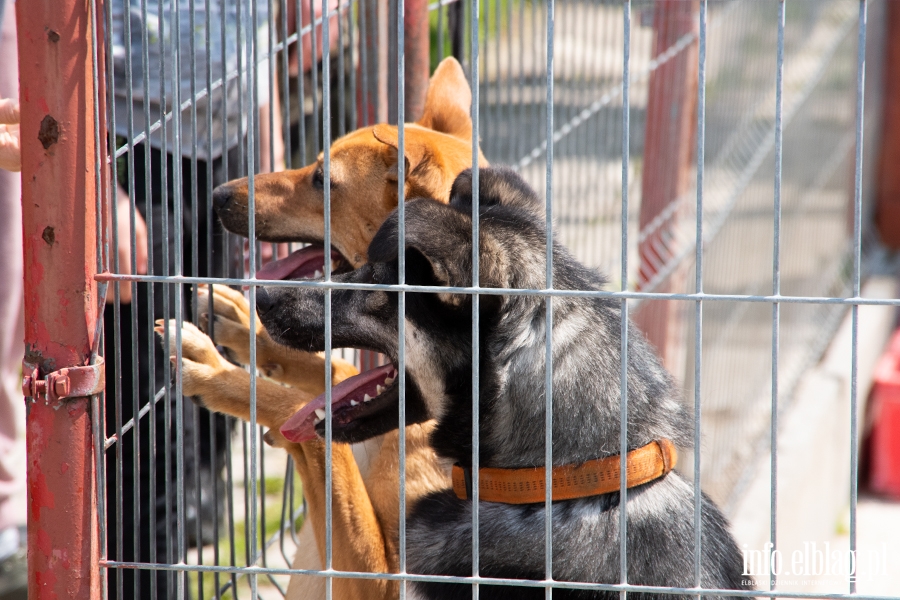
(595,477)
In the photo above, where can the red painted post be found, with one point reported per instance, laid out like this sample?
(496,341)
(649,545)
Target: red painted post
(372,86)
(417,56)
(61,304)
(887,208)
(670,140)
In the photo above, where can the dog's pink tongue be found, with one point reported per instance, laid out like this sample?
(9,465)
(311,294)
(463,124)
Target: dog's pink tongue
(302,426)
(300,264)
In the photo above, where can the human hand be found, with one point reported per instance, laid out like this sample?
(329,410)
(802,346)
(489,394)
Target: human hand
(123,228)
(10,148)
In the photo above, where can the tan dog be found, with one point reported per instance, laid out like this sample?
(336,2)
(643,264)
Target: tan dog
(289,207)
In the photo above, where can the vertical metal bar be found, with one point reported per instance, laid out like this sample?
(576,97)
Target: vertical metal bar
(287,504)
(274,101)
(285,92)
(229,503)
(776,285)
(364,109)
(178,189)
(151,358)
(326,167)
(548,304)
(193,411)
(301,96)
(354,114)
(857,251)
(623,383)
(103,194)
(229,470)
(698,288)
(314,72)
(440,31)
(135,398)
(166,262)
(57,163)
(252,115)
(476,300)
(195,242)
(508,114)
(401,279)
(342,111)
(194,415)
(116,334)
(210,269)
(248,499)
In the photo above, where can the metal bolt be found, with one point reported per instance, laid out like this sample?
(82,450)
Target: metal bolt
(40,387)
(61,386)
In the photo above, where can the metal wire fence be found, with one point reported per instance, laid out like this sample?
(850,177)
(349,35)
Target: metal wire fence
(670,125)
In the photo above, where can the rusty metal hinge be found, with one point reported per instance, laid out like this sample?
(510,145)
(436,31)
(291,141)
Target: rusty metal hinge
(71,382)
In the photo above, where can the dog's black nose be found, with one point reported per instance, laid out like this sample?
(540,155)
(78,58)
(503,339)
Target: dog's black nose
(221,197)
(264,301)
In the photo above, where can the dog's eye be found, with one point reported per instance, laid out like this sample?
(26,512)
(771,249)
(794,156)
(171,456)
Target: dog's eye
(319,178)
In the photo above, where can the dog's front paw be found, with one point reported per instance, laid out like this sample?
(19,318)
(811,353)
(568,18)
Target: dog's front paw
(229,322)
(226,303)
(201,363)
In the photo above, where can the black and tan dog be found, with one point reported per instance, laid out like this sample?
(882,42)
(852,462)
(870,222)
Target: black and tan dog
(586,343)
(289,207)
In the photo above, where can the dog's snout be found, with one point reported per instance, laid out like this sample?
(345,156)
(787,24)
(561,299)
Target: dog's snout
(264,301)
(221,197)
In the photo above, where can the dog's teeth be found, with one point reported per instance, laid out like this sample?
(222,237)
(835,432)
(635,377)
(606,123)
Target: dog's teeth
(317,274)
(320,413)
(354,403)
(379,389)
(366,397)
(389,381)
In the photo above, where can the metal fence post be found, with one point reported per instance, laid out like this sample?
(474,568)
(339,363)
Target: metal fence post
(59,185)
(668,157)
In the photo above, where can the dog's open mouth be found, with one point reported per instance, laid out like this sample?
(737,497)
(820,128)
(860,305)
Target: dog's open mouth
(305,263)
(351,399)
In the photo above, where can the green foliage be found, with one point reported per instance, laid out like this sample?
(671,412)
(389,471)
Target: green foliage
(494,16)
(272,488)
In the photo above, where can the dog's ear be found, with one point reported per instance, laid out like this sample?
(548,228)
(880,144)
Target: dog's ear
(413,151)
(497,186)
(448,101)
(436,235)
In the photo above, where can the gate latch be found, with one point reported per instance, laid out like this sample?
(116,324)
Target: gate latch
(71,382)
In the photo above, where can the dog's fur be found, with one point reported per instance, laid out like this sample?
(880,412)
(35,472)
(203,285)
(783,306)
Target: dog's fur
(289,207)
(586,346)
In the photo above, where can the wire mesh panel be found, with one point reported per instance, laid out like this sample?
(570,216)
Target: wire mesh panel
(819,101)
(653,132)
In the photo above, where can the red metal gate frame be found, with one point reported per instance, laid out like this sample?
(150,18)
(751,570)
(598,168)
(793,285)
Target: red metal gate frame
(59,189)
(670,139)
